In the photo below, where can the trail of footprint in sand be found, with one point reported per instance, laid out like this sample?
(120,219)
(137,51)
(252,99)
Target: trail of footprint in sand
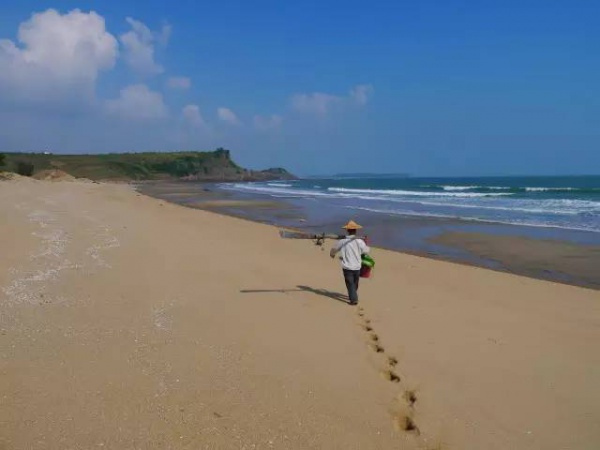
(403,408)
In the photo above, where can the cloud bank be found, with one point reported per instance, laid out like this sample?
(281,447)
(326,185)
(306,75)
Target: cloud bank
(227,115)
(56,57)
(138,102)
(321,104)
(138,47)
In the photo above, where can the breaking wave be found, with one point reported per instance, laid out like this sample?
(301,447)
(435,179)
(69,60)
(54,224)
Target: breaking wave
(532,204)
(416,193)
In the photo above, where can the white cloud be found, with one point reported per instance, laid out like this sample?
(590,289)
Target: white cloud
(179,83)
(316,103)
(139,47)
(320,104)
(361,93)
(139,103)
(227,115)
(267,123)
(57,56)
(191,114)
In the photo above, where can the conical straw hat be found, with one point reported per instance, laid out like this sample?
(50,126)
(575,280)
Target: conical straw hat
(352,225)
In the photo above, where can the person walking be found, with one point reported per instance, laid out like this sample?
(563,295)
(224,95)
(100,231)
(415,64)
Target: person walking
(351,248)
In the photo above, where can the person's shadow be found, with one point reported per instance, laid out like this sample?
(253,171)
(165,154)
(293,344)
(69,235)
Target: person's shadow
(300,288)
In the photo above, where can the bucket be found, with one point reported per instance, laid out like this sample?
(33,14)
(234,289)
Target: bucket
(365,271)
(366,267)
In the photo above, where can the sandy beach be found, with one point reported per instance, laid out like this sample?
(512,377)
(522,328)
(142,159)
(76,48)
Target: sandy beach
(130,322)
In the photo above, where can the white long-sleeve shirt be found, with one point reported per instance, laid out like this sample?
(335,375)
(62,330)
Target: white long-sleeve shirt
(350,249)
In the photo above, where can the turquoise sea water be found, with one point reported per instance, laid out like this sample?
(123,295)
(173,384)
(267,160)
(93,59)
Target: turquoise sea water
(567,202)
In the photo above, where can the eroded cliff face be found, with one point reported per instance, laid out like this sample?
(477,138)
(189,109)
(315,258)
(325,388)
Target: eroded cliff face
(229,174)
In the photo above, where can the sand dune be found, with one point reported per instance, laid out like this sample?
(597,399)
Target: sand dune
(128,322)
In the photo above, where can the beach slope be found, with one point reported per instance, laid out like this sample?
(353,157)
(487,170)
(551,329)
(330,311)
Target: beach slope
(129,322)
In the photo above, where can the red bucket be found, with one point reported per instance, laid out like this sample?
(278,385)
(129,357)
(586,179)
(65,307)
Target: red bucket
(365,272)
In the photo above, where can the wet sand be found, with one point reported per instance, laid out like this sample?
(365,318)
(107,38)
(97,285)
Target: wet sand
(558,260)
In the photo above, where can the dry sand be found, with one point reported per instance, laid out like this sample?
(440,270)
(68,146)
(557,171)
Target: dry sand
(53,175)
(130,323)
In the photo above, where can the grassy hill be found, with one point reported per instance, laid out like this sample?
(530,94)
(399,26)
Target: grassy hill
(201,166)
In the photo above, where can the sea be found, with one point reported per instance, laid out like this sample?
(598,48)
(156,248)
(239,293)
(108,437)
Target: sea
(558,202)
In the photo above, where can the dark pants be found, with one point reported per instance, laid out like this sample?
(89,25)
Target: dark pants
(351,277)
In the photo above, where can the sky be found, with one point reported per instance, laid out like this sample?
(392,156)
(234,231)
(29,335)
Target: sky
(429,88)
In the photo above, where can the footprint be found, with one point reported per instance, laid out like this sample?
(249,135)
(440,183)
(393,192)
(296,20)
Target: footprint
(405,423)
(390,375)
(410,396)
(402,420)
(377,348)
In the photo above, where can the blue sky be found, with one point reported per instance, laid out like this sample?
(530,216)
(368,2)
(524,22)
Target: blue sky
(429,88)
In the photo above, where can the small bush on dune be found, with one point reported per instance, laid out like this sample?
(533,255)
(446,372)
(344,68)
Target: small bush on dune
(2,156)
(25,169)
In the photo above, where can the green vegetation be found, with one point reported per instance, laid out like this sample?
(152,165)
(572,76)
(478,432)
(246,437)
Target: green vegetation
(25,168)
(204,166)
(2,158)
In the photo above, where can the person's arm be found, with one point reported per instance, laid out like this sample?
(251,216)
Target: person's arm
(364,248)
(335,249)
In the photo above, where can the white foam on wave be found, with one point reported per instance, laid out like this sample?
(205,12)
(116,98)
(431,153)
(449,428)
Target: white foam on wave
(283,185)
(471,188)
(477,219)
(474,200)
(459,188)
(559,207)
(273,190)
(362,194)
(550,189)
(399,192)
(573,214)
(505,188)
